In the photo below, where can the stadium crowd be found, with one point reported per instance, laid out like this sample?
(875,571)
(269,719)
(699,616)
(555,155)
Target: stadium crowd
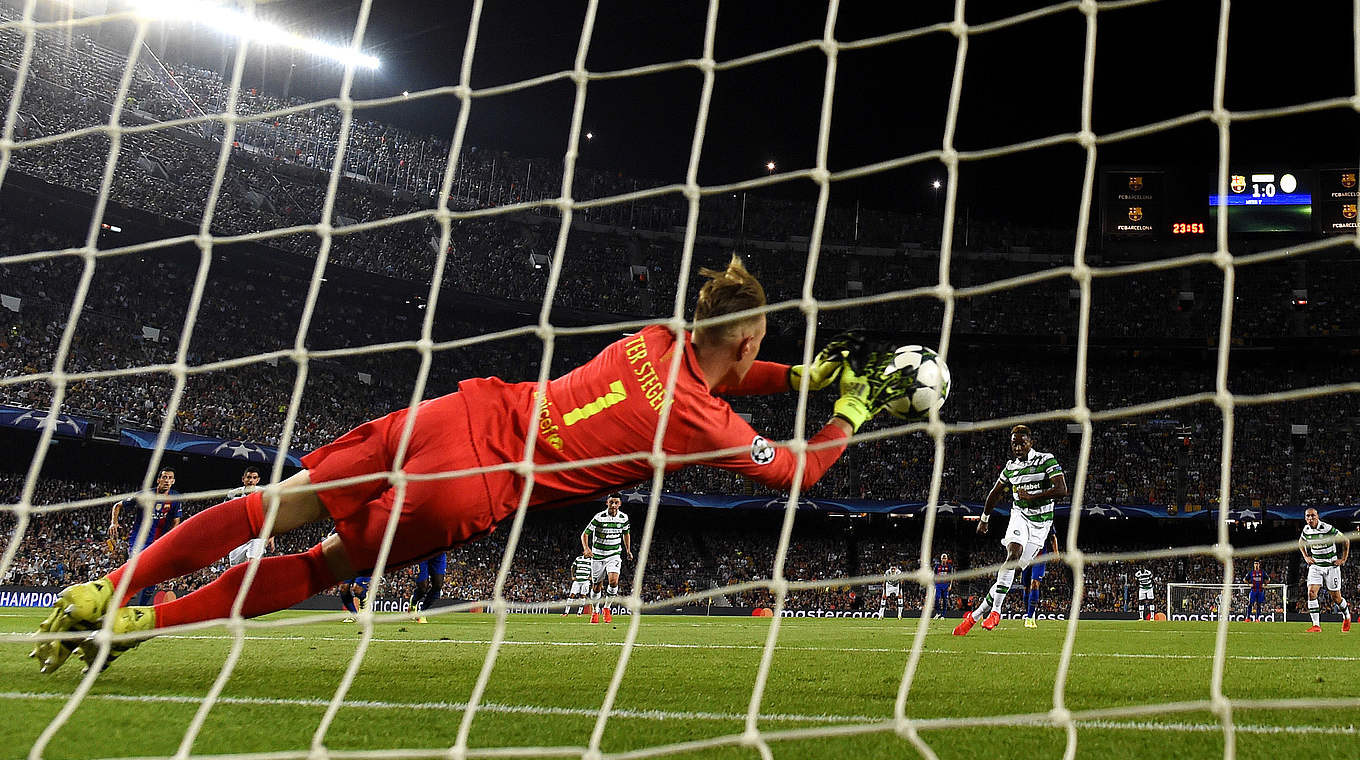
(272,182)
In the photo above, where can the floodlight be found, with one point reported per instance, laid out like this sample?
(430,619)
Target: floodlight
(233,22)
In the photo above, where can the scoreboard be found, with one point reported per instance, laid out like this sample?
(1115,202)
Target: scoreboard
(1261,200)
(1334,203)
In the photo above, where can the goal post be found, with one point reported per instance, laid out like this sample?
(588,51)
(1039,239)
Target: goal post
(1199,601)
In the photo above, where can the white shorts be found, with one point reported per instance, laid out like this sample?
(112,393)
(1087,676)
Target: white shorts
(246,552)
(892,589)
(1145,594)
(1329,576)
(601,568)
(580,588)
(1029,534)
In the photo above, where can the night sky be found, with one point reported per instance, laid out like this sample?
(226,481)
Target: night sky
(1023,82)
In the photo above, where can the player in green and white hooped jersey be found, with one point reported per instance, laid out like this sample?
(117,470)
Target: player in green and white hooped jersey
(602,541)
(580,585)
(1318,545)
(1036,482)
(1146,602)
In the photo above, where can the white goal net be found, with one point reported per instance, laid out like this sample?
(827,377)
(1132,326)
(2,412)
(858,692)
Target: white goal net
(30,37)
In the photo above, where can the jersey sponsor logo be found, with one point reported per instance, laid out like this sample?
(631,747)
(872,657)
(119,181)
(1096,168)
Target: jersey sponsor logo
(762,452)
(616,395)
(548,429)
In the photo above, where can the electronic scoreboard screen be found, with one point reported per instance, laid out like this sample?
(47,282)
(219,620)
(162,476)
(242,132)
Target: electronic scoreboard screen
(1335,203)
(1134,203)
(1267,200)
(1167,204)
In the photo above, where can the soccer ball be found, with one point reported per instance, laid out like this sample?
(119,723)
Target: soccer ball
(926,378)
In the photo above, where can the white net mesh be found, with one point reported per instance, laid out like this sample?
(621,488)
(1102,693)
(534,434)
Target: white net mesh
(756,734)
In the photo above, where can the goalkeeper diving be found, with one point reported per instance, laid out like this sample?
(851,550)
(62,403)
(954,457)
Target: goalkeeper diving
(608,407)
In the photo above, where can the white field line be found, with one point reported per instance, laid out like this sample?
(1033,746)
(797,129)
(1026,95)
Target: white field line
(665,715)
(783,648)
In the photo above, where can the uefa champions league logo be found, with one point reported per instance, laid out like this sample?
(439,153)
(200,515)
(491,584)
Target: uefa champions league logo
(241,450)
(40,420)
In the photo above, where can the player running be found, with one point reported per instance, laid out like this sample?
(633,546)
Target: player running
(255,547)
(1036,482)
(1032,579)
(581,572)
(607,409)
(942,568)
(1147,605)
(603,541)
(1318,545)
(1256,597)
(165,515)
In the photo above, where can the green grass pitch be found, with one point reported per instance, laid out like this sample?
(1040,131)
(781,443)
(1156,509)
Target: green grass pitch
(691,678)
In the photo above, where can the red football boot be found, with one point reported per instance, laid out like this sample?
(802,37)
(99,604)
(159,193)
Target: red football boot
(594,618)
(1346,625)
(608,616)
(965,625)
(989,622)
(1314,629)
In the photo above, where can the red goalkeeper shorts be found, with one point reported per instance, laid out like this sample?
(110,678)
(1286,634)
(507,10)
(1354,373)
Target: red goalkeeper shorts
(435,514)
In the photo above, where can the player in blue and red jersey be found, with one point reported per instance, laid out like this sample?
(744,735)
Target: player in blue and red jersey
(165,514)
(608,409)
(1256,597)
(429,582)
(943,566)
(1031,581)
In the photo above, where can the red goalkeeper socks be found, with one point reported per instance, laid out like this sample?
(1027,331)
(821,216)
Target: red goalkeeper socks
(280,583)
(197,542)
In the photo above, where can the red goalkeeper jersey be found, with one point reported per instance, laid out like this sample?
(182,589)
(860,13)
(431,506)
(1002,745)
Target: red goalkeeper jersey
(611,405)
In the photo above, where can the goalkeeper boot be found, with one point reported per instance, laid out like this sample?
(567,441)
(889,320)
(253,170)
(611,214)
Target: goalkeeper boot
(126,620)
(993,618)
(1314,629)
(964,625)
(77,608)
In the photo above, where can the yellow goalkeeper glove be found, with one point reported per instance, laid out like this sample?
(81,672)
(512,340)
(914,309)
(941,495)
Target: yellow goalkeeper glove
(853,405)
(825,366)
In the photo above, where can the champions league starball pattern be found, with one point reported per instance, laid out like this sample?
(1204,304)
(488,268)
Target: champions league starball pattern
(924,376)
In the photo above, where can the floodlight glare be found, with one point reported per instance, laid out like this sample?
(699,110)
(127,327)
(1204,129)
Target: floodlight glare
(238,24)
